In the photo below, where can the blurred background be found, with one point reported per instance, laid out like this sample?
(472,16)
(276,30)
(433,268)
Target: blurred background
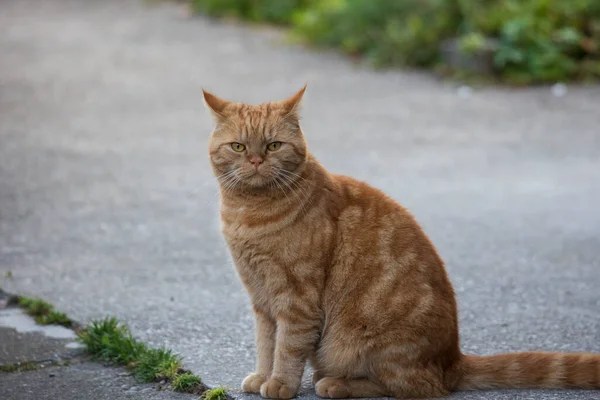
(481,117)
(515,41)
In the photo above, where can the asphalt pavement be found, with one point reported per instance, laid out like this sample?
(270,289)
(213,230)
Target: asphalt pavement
(108,205)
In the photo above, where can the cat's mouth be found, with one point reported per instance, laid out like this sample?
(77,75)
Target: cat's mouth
(260,178)
(256,179)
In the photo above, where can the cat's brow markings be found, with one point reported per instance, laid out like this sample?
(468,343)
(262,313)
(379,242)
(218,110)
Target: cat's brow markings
(255,121)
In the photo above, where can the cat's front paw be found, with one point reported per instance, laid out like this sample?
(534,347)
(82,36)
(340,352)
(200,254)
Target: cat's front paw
(276,389)
(252,383)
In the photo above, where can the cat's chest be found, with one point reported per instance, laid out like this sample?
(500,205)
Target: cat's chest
(265,274)
(273,267)
(257,261)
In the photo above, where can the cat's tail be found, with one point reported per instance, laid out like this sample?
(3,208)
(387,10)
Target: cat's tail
(530,370)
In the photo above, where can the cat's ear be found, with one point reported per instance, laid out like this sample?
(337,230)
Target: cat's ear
(215,104)
(292,104)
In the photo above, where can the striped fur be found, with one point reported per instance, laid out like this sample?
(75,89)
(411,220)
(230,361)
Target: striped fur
(342,276)
(531,370)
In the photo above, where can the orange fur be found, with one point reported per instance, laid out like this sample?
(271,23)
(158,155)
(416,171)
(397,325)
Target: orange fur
(341,275)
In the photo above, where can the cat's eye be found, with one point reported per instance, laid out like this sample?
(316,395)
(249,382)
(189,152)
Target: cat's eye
(238,147)
(274,146)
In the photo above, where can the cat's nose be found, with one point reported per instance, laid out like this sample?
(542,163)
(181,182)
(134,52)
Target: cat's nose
(255,160)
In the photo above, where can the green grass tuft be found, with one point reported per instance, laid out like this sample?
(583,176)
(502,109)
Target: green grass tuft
(108,340)
(25,366)
(35,307)
(20,367)
(43,312)
(153,364)
(218,393)
(186,382)
(170,369)
(54,318)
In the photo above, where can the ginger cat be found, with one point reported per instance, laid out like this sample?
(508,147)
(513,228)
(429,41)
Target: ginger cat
(341,275)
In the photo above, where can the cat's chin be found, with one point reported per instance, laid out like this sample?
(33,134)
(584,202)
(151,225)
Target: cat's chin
(258,183)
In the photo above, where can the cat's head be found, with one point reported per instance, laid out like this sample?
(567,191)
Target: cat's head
(256,147)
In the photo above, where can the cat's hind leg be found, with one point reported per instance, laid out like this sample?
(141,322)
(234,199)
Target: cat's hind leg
(401,383)
(412,382)
(338,388)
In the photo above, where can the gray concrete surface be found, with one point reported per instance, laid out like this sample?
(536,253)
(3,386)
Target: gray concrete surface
(18,347)
(108,205)
(79,381)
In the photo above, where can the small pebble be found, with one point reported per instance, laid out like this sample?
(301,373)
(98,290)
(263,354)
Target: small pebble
(464,91)
(559,89)
(124,387)
(51,375)
(146,390)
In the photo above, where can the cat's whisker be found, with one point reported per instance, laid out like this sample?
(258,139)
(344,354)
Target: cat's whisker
(300,200)
(296,188)
(224,189)
(231,184)
(282,189)
(225,182)
(304,191)
(291,176)
(221,178)
(224,177)
(292,173)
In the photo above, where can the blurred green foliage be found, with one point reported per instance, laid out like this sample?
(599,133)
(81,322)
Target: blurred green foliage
(539,40)
(275,11)
(386,32)
(534,40)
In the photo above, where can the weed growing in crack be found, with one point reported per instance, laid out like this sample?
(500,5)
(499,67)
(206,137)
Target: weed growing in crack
(20,367)
(43,312)
(185,382)
(53,318)
(170,369)
(155,363)
(108,340)
(218,393)
(24,366)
